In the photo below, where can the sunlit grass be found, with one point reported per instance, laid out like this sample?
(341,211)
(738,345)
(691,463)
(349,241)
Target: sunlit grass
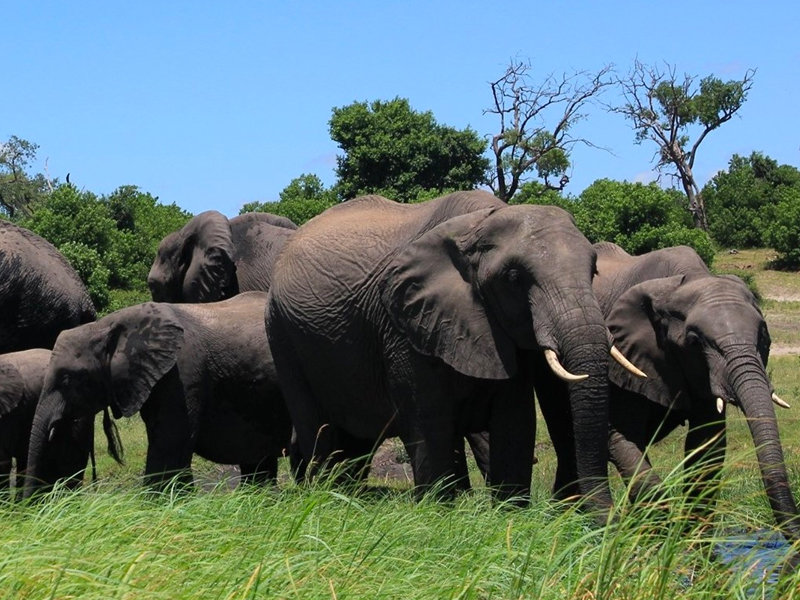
(103,542)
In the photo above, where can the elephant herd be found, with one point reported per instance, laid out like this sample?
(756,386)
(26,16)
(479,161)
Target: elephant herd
(430,322)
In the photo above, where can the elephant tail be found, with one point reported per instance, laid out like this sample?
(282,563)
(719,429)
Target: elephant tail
(115,448)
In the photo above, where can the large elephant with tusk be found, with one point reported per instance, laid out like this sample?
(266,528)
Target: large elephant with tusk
(434,320)
(704,344)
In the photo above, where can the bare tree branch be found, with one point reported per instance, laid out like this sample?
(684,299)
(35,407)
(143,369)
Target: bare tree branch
(536,122)
(664,108)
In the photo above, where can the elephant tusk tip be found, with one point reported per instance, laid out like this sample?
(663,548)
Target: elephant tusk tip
(559,370)
(620,358)
(777,400)
(720,405)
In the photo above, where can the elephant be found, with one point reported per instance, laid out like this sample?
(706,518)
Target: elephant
(704,344)
(200,375)
(40,293)
(430,321)
(21,377)
(212,258)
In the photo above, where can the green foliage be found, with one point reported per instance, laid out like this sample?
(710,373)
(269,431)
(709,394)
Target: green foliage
(304,198)
(19,190)
(784,234)
(112,239)
(638,217)
(90,268)
(393,150)
(535,192)
(742,202)
(141,223)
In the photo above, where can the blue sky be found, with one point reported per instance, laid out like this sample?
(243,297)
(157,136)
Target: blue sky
(214,104)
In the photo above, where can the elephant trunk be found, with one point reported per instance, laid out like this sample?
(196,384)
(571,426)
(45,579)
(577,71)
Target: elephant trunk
(581,339)
(38,478)
(750,385)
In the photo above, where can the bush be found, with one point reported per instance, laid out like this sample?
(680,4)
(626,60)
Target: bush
(638,217)
(784,233)
(89,267)
(741,203)
(304,198)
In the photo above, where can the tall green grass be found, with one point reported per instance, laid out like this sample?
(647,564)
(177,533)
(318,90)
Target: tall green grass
(317,542)
(112,539)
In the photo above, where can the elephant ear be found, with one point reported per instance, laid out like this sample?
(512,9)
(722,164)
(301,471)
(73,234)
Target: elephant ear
(639,322)
(11,388)
(141,346)
(211,272)
(430,294)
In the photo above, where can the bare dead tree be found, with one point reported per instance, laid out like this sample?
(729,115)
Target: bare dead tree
(664,107)
(536,123)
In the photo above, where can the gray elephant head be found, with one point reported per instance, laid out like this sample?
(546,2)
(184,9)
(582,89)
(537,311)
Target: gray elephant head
(212,258)
(114,363)
(704,340)
(195,263)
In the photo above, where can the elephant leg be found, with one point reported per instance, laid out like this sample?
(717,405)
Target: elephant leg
(170,445)
(5,475)
(262,473)
(632,465)
(430,445)
(553,397)
(705,454)
(19,477)
(352,457)
(479,444)
(297,463)
(461,470)
(313,436)
(513,435)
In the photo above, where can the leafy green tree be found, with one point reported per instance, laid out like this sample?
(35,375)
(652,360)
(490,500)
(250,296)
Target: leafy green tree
(742,201)
(537,126)
(90,268)
(141,222)
(638,217)
(784,234)
(111,241)
(393,150)
(669,110)
(19,190)
(304,198)
(536,192)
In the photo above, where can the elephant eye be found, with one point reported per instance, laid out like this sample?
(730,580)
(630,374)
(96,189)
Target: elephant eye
(693,338)
(512,275)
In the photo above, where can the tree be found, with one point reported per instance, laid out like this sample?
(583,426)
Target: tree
(19,191)
(393,150)
(111,240)
(784,235)
(536,125)
(304,198)
(141,223)
(638,217)
(741,202)
(666,109)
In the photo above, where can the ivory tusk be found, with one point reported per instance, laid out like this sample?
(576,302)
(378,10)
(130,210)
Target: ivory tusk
(561,372)
(720,405)
(776,399)
(620,358)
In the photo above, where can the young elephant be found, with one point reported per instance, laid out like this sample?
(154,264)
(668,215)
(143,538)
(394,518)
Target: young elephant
(21,376)
(704,344)
(201,376)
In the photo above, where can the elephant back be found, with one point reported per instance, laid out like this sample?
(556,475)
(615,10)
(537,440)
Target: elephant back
(40,289)
(257,242)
